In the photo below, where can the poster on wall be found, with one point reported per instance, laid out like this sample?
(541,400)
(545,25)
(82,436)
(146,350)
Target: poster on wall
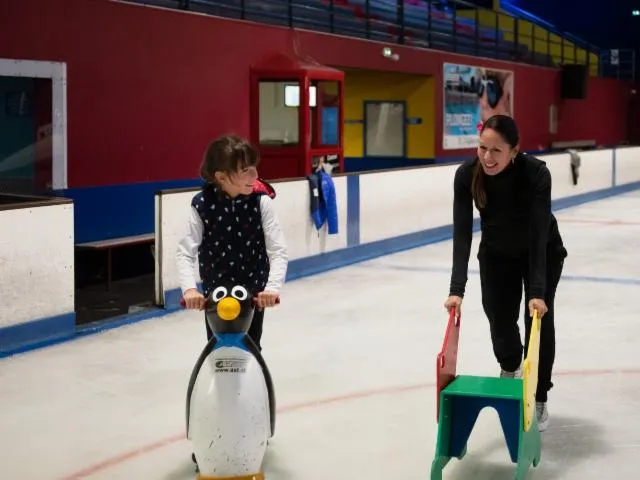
(472,95)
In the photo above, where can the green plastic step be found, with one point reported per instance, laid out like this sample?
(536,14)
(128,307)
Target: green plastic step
(494,387)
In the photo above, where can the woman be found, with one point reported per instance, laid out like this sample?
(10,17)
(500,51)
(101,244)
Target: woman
(520,244)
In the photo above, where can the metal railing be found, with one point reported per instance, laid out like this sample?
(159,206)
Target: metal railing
(620,64)
(457,27)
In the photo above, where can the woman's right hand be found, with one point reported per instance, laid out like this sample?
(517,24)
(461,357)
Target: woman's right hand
(193,299)
(454,302)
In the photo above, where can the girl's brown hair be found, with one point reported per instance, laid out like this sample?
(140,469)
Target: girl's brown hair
(228,154)
(506,127)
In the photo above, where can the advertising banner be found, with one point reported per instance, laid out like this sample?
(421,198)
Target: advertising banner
(472,95)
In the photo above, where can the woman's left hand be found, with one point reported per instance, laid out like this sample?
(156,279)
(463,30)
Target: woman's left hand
(539,305)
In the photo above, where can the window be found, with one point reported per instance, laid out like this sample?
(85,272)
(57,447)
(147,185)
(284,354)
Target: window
(385,129)
(26,156)
(33,151)
(279,103)
(328,114)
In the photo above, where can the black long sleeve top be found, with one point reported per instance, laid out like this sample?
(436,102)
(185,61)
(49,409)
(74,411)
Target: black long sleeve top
(516,221)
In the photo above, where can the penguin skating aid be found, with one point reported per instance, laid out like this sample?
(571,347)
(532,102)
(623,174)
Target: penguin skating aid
(230,410)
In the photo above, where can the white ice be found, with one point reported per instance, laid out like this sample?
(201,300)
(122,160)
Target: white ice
(352,352)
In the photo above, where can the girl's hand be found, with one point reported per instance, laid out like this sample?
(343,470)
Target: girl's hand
(454,302)
(539,305)
(193,299)
(267,299)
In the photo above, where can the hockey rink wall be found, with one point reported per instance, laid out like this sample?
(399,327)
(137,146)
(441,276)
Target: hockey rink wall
(36,270)
(383,212)
(379,213)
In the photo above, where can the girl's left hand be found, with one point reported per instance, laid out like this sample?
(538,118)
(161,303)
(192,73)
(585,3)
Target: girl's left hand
(539,305)
(267,299)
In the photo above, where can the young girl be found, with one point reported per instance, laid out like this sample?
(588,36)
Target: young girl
(233,231)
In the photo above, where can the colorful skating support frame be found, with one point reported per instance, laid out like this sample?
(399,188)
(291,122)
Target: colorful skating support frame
(460,398)
(448,357)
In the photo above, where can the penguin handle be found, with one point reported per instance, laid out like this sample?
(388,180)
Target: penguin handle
(206,302)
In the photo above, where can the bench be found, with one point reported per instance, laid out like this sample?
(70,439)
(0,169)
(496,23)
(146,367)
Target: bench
(112,243)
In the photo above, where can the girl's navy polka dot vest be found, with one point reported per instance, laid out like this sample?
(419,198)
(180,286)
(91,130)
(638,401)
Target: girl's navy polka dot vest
(233,247)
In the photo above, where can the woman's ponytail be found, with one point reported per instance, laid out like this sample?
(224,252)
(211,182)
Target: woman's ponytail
(477,186)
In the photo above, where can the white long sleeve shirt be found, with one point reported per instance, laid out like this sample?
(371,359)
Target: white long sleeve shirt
(187,251)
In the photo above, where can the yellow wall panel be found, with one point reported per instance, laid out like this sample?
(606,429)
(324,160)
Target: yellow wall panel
(417,91)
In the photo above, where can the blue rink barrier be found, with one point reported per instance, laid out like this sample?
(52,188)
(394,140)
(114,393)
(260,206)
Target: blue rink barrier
(379,213)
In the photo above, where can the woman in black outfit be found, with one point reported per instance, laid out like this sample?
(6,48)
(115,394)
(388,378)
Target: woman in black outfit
(520,244)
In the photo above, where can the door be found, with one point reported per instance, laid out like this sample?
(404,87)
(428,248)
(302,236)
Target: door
(385,129)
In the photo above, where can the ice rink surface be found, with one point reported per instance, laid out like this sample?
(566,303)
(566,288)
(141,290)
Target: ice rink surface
(352,353)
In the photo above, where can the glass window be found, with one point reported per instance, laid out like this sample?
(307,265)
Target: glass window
(328,113)
(279,120)
(385,129)
(26,151)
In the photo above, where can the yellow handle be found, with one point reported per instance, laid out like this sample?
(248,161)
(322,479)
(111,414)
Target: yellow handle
(530,371)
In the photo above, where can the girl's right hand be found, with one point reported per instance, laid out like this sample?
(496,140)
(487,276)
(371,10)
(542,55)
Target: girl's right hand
(193,299)
(454,302)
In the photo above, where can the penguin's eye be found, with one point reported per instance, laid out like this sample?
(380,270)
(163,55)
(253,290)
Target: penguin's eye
(239,292)
(218,294)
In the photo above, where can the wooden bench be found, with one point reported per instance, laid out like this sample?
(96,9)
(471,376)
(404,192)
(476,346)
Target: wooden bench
(112,243)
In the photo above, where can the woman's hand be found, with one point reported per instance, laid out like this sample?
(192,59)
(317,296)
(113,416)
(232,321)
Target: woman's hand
(454,302)
(539,305)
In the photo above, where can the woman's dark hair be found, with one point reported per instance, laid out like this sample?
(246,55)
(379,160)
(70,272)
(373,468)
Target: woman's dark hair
(227,154)
(506,127)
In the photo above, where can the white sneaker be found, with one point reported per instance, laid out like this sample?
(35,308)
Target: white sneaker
(543,416)
(516,374)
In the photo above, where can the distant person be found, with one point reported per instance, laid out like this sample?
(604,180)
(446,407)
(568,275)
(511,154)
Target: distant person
(520,243)
(233,231)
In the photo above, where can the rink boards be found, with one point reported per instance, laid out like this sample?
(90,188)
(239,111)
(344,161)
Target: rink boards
(379,213)
(384,212)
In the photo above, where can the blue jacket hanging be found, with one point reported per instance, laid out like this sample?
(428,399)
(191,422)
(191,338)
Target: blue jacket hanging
(324,208)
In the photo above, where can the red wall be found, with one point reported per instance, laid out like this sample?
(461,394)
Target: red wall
(148,88)
(603,116)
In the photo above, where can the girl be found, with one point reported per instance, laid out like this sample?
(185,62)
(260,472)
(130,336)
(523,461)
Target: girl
(520,244)
(233,231)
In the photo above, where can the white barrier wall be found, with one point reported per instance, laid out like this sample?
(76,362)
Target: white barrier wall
(292,204)
(627,165)
(36,263)
(595,173)
(405,201)
(379,213)
(382,207)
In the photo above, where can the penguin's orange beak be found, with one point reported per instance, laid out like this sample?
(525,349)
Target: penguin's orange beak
(228,309)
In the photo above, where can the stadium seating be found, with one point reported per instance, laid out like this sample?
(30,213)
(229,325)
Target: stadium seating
(420,24)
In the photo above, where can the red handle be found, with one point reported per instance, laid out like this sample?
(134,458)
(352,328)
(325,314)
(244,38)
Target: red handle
(206,302)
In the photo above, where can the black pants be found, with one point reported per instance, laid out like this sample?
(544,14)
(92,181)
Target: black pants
(255,330)
(501,281)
